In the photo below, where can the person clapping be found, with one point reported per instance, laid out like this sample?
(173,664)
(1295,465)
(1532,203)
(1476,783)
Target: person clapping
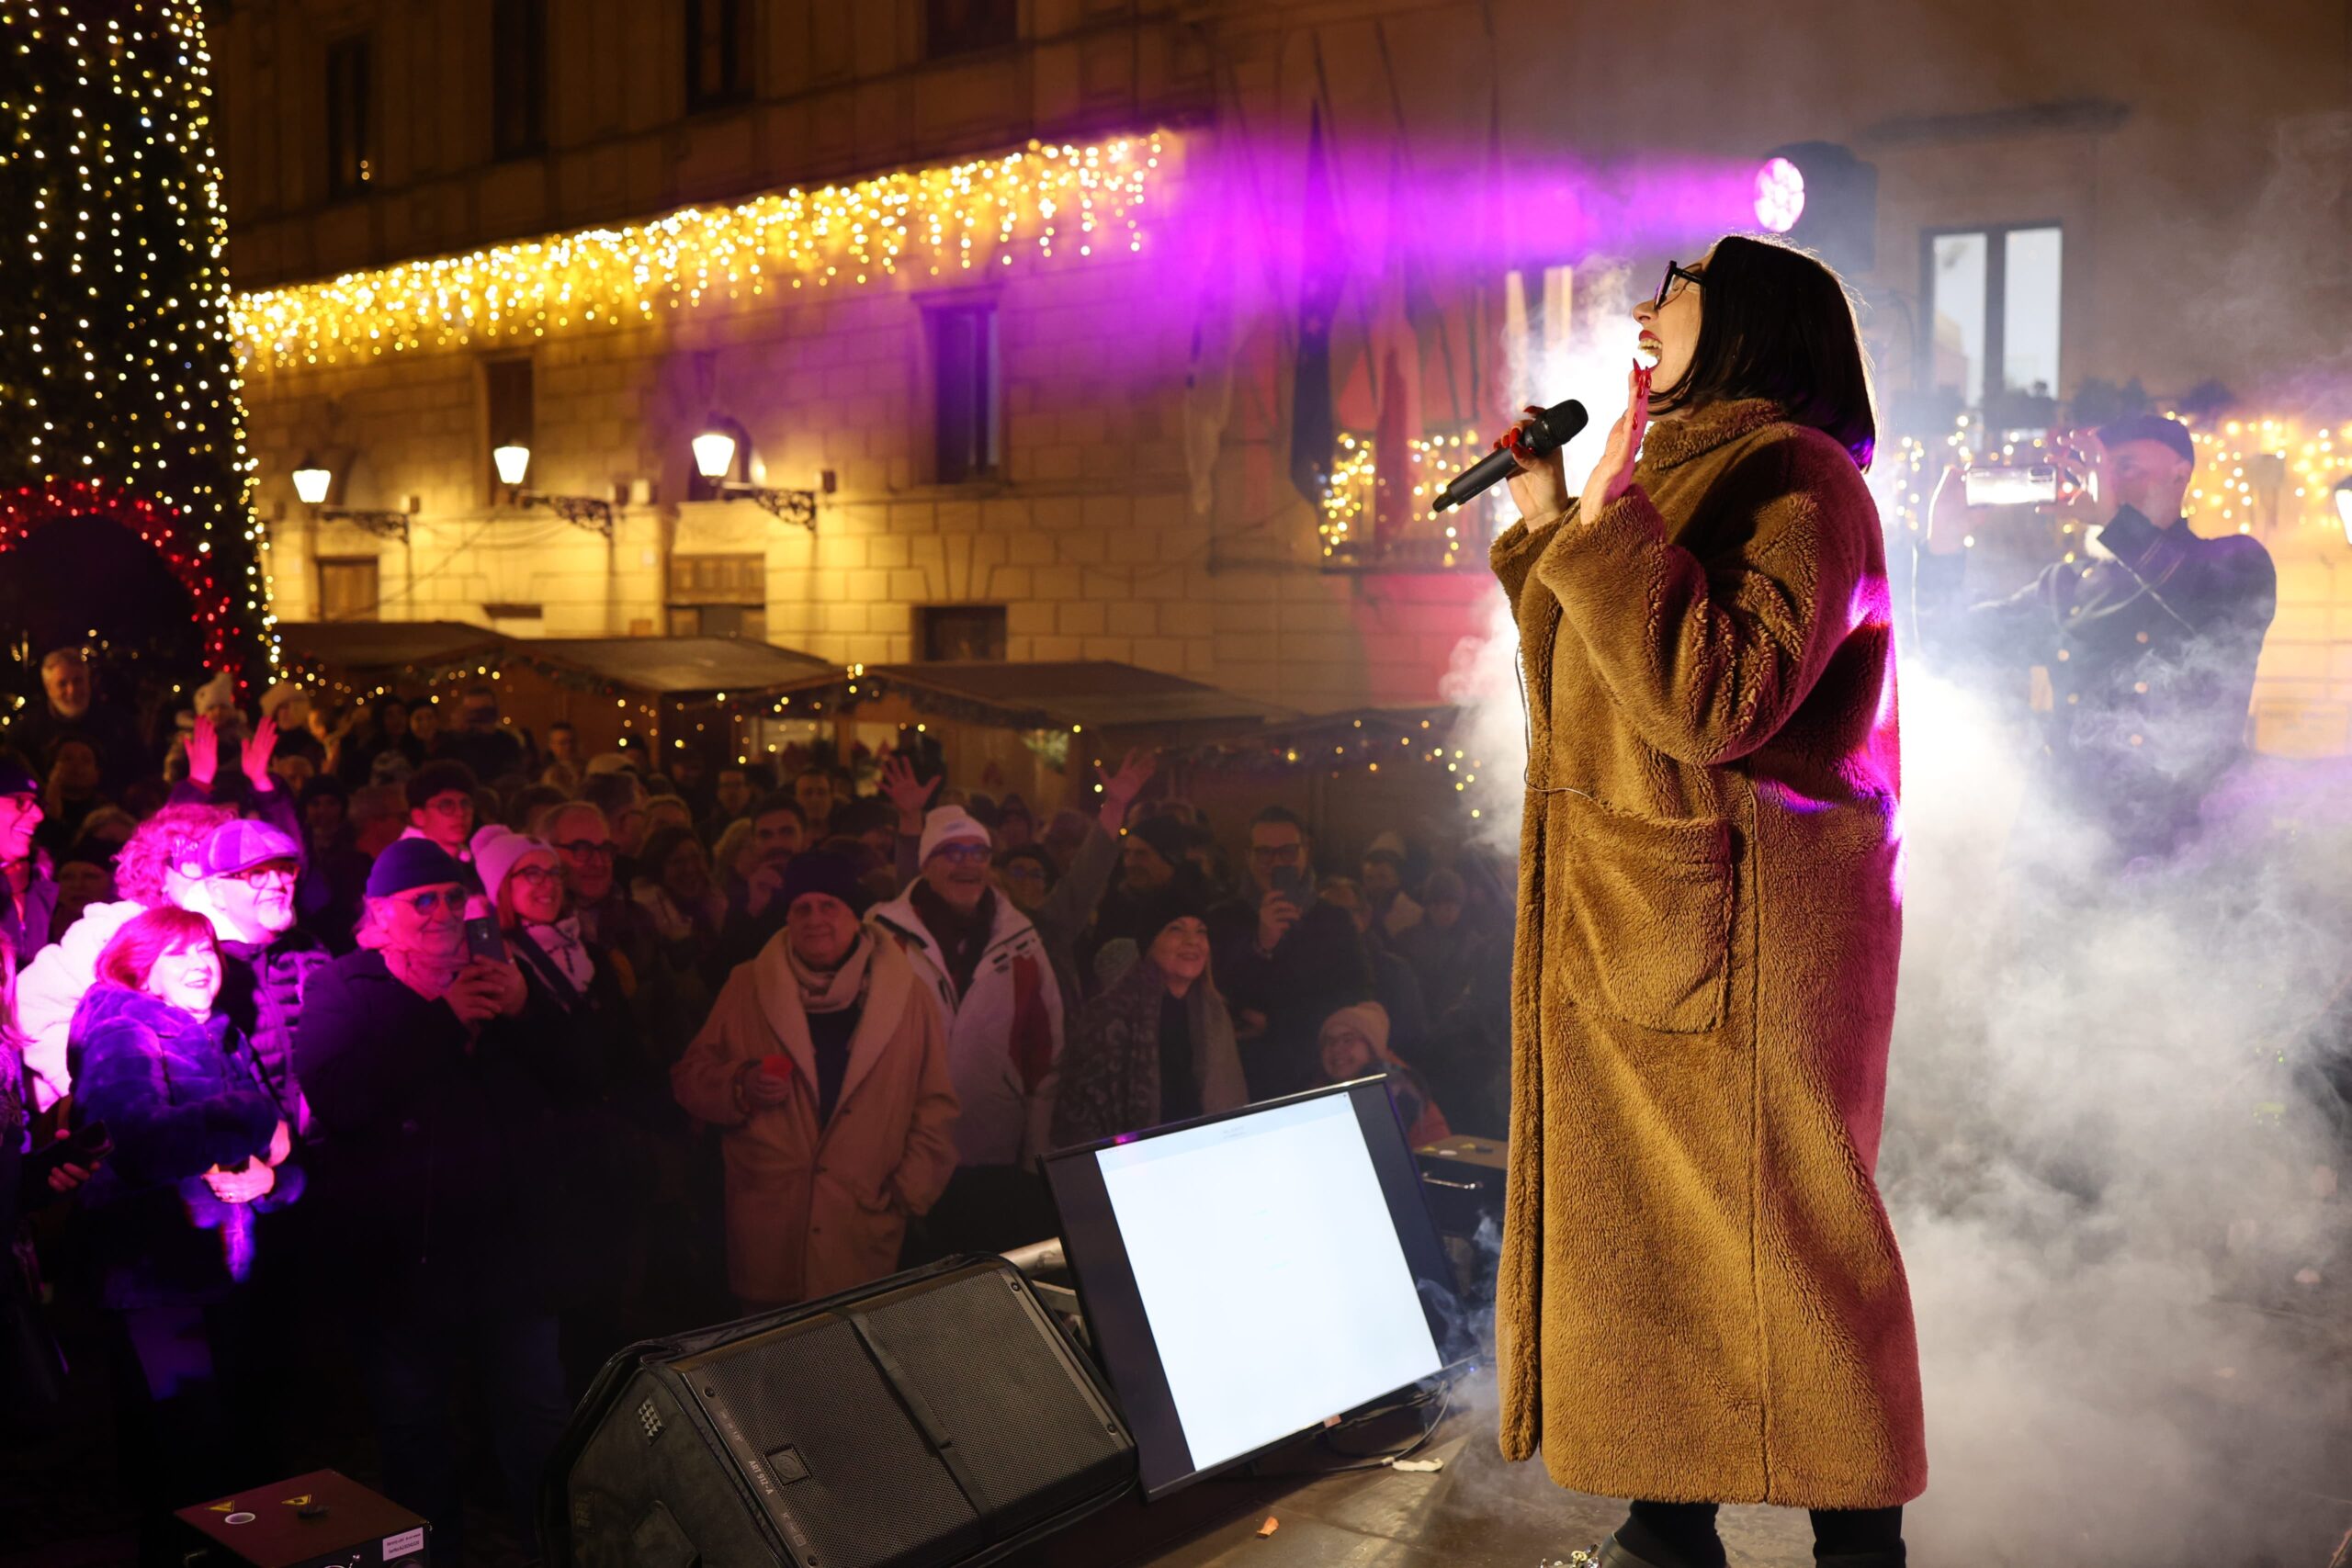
(199,1144)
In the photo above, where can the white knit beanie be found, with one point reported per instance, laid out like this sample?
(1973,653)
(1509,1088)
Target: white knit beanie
(951,825)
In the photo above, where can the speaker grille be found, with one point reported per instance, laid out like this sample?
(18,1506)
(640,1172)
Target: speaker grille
(875,1496)
(1028,1434)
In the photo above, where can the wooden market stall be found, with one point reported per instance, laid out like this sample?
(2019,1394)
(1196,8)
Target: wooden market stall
(636,691)
(1036,729)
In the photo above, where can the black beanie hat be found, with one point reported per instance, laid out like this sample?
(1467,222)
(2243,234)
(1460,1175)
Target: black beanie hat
(1182,899)
(1165,836)
(415,863)
(821,870)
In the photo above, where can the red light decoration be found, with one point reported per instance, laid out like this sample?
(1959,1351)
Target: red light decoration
(27,509)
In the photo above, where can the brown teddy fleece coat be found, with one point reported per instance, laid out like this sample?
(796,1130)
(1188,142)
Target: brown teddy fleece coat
(1701,1298)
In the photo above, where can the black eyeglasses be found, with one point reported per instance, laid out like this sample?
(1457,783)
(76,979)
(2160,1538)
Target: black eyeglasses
(586,849)
(1666,289)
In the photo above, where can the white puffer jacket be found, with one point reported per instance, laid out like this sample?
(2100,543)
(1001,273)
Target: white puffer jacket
(1004,1034)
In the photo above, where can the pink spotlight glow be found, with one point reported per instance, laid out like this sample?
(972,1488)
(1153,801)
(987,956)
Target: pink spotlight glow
(1780,196)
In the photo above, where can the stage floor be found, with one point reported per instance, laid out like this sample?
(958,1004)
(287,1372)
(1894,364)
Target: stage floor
(1476,1512)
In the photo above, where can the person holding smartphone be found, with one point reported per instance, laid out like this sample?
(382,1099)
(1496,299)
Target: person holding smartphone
(428,1095)
(2147,634)
(1283,973)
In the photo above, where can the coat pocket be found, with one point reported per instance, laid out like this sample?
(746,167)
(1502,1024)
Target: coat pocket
(1637,914)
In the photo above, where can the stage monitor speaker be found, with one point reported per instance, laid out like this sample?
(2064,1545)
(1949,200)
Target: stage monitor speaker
(935,1418)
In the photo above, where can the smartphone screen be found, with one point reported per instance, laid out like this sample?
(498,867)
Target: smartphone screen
(483,939)
(2011,486)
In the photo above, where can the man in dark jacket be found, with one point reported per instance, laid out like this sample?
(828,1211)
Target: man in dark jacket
(27,890)
(249,870)
(423,1092)
(2149,641)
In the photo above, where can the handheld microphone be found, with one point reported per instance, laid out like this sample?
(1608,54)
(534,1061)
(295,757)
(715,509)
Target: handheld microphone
(1555,428)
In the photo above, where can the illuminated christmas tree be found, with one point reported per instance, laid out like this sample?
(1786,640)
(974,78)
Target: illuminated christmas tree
(119,388)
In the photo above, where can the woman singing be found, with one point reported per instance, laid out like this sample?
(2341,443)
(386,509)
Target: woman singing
(1701,1298)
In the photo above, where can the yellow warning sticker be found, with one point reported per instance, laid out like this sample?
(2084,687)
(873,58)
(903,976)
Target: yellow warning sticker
(229,1506)
(302,1502)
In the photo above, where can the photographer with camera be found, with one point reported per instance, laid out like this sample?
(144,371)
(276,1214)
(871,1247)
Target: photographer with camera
(2149,640)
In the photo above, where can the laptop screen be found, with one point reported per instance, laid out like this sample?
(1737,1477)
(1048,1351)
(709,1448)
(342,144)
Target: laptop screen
(1250,1276)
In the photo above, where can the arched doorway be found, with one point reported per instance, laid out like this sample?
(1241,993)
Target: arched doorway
(90,580)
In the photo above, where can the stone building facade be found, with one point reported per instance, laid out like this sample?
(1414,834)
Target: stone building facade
(1129,496)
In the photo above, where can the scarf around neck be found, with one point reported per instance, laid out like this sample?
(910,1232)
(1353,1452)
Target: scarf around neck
(831,990)
(562,943)
(428,974)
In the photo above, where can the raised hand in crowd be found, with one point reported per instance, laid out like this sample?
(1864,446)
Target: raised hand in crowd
(203,752)
(281,1144)
(1120,789)
(258,752)
(911,794)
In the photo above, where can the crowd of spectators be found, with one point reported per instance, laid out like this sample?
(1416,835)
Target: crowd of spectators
(532,1054)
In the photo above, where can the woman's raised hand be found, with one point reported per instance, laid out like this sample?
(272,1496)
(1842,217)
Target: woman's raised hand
(1613,475)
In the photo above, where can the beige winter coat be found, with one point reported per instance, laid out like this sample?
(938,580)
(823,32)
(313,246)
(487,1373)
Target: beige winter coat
(1701,1298)
(811,1210)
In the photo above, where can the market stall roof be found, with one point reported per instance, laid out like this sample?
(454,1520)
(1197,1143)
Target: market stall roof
(372,646)
(679,664)
(654,665)
(1098,693)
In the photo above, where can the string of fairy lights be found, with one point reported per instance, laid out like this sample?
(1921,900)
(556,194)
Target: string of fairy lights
(129,402)
(1352,493)
(942,219)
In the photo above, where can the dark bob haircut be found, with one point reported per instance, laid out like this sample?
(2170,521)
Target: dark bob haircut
(1776,323)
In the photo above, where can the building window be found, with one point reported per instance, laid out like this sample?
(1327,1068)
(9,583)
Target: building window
(719,52)
(510,404)
(518,65)
(348,588)
(961,632)
(1992,312)
(968,385)
(958,27)
(718,596)
(351,140)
